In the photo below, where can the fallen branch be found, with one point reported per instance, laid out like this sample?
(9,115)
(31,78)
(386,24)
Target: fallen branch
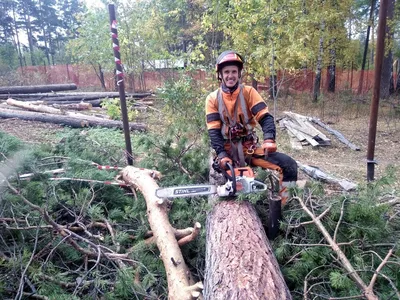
(180,283)
(368,292)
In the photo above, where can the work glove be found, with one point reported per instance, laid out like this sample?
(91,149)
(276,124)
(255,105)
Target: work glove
(269,146)
(223,160)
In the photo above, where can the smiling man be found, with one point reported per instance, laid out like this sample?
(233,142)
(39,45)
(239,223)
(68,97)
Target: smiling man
(232,113)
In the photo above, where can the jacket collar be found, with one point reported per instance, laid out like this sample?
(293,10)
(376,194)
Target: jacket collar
(228,90)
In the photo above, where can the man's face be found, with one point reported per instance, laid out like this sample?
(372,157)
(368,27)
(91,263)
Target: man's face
(230,75)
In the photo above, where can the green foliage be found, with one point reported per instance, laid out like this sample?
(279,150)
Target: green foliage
(358,222)
(9,144)
(179,146)
(113,108)
(340,281)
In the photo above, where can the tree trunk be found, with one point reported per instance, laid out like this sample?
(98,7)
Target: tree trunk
(332,67)
(37,88)
(273,86)
(70,96)
(388,58)
(254,82)
(371,16)
(30,37)
(17,37)
(240,263)
(75,122)
(317,82)
(32,107)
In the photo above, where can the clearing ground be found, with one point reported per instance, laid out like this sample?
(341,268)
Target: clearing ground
(337,160)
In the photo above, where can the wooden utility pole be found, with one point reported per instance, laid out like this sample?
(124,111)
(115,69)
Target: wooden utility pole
(380,51)
(120,82)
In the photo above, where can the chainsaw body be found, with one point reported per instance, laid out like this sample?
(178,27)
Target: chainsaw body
(239,180)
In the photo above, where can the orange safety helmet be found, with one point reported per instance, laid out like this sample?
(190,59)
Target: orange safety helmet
(227,58)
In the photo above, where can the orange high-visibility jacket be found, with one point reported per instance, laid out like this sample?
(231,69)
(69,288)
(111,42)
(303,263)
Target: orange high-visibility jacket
(257,111)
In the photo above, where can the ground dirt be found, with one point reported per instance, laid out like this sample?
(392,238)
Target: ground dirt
(337,160)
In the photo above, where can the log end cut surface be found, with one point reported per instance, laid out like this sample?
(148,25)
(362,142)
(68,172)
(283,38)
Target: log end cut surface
(240,263)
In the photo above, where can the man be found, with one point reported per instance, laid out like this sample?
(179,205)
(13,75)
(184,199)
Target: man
(232,112)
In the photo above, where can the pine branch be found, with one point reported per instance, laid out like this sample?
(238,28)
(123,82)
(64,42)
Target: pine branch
(341,256)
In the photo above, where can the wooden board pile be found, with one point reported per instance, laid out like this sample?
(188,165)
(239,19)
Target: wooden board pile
(302,131)
(42,103)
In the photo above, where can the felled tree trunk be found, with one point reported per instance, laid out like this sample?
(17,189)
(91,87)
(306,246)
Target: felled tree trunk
(240,263)
(37,88)
(75,122)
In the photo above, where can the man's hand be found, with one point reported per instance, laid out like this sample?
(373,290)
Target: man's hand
(224,159)
(269,146)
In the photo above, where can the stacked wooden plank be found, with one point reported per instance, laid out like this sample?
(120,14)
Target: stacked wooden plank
(302,132)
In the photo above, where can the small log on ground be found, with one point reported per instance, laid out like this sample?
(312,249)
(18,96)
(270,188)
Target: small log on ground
(75,106)
(240,263)
(75,122)
(37,88)
(32,107)
(180,283)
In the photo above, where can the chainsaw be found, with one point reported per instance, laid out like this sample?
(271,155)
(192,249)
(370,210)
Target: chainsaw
(240,180)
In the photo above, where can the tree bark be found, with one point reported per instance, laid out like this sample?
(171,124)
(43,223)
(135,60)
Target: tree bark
(388,58)
(32,107)
(67,96)
(37,88)
(332,66)
(180,284)
(240,263)
(317,81)
(75,122)
(371,16)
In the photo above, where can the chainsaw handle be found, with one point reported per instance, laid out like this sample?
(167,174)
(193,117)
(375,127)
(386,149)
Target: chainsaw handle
(231,177)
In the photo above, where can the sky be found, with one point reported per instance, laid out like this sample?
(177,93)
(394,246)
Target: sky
(94,3)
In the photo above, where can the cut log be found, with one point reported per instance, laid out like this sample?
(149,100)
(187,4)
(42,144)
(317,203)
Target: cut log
(240,263)
(336,133)
(37,88)
(75,106)
(94,103)
(86,95)
(32,107)
(180,282)
(75,122)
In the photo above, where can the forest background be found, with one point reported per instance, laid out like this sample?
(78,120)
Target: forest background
(310,52)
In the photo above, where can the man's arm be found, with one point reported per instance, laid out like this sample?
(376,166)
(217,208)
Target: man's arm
(259,110)
(214,125)
(268,126)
